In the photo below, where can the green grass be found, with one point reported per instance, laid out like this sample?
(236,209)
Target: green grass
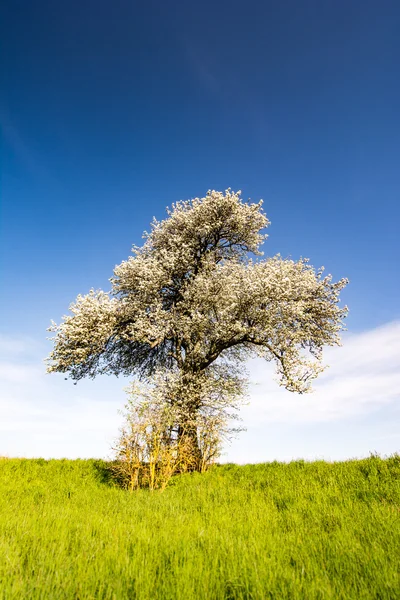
(298,530)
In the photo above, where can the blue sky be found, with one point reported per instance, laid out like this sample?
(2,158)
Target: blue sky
(111,112)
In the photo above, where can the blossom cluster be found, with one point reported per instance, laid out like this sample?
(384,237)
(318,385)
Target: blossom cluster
(193,297)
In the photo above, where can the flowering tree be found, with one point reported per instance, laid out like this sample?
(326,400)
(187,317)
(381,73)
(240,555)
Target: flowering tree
(192,303)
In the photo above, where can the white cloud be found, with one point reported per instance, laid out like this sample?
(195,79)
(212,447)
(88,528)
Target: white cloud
(44,415)
(364,374)
(353,410)
(12,346)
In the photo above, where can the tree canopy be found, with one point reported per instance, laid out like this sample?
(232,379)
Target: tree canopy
(193,293)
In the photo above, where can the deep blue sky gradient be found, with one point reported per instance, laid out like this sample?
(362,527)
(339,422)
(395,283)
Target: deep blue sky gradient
(112,111)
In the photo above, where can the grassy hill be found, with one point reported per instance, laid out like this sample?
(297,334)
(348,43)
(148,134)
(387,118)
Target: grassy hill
(298,530)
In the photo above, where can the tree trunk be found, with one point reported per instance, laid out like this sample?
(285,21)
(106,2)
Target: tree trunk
(189,452)
(190,457)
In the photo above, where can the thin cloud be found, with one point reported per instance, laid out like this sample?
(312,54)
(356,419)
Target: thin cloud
(219,83)
(364,374)
(21,149)
(12,346)
(44,415)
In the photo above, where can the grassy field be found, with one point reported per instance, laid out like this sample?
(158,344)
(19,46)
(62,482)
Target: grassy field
(298,530)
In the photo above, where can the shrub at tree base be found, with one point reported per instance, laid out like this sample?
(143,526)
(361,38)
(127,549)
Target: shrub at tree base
(156,442)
